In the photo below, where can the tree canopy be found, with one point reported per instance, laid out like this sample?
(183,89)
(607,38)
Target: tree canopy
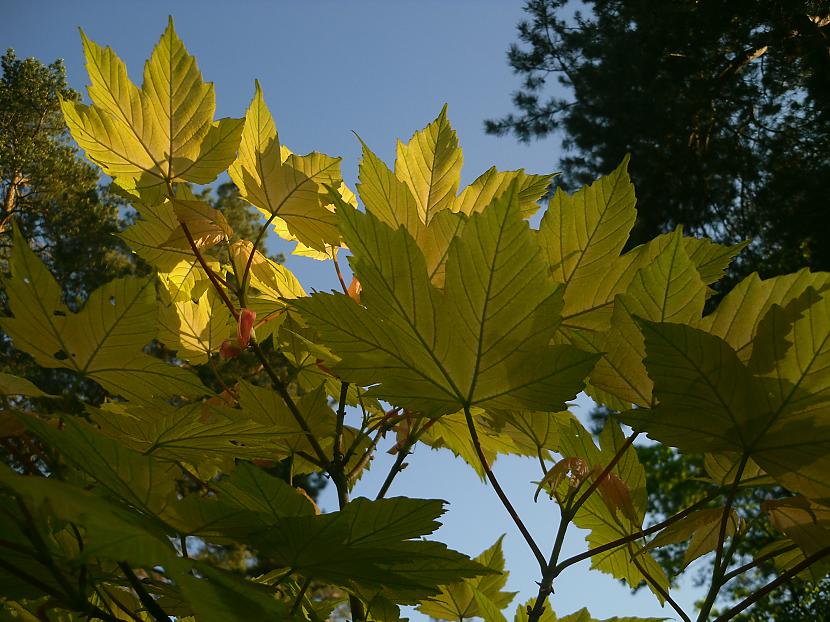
(723,106)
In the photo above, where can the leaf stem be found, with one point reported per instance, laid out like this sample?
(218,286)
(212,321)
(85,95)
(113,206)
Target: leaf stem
(153,608)
(397,467)
(243,285)
(659,589)
(772,585)
(338,427)
(210,274)
(537,553)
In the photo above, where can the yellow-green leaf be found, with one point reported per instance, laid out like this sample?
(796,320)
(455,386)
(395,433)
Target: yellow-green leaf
(458,601)
(430,164)
(481,341)
(289,188)
(491,184)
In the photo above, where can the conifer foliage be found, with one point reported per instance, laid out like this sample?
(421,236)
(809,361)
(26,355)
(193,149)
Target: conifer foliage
(464,328)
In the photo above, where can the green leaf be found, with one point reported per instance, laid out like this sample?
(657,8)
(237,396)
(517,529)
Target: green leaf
(702,527)
(451,432)
(370,544)
(195,330)
(249,487)
(164,132)
(491,184)
(482,341)
(390,200)
(177,268)
(581,233)
(583,616)
(737,317)
(195,434)
(103,341)
(489,611)
(669,289)
(805,522)
(15,385)
(430,164)
(266,407)
(285,187)
(218,596)
(139,480)
(111,532)
(532,431)
(464,599)
(777,422)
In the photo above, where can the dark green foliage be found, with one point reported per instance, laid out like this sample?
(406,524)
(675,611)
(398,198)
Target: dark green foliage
(723,106)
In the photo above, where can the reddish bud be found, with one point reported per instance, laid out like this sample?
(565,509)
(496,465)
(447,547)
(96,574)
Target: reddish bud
(354,290)
(245,327)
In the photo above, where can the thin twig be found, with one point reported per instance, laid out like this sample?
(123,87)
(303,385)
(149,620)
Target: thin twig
(339,274)
(537,553)
(397,467)
(756,562)
(772,585)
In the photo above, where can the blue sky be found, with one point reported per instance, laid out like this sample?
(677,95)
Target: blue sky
(383,70)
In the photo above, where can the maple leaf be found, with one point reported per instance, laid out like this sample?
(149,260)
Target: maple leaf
(469,344)
(148,138)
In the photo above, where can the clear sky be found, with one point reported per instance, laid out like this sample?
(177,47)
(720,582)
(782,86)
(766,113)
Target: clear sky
(383,70)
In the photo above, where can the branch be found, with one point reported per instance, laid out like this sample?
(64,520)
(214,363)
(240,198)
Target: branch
(537,553)
(289,402)
(769,587)
(153,608)
(721,561)
(756,562)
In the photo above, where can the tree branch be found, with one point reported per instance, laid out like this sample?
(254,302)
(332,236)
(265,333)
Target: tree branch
(771,586)
(756,562)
